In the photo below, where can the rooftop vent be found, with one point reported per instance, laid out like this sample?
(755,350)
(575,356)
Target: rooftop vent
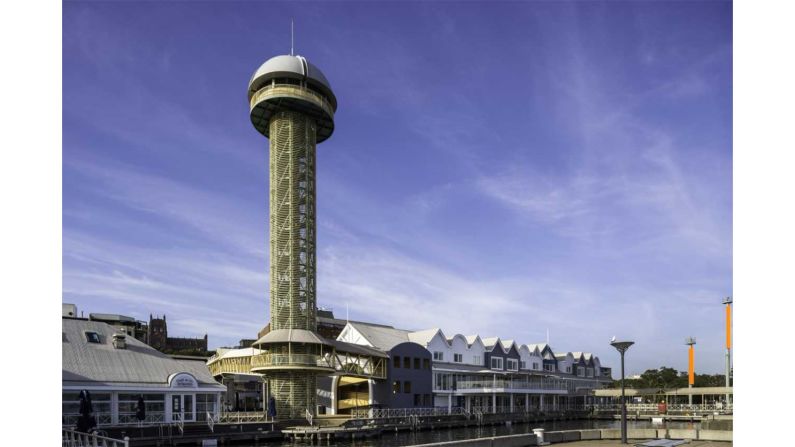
(120,341)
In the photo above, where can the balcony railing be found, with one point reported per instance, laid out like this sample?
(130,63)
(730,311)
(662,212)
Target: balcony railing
(288,360)
(555,385)
(292,91)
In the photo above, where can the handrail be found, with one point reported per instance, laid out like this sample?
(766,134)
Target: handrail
(268,360)
(210,422)
(72,438)
(180,424)
(291,89)
(243,416)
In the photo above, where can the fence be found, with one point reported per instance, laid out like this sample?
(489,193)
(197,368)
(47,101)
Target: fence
(243,416)
(654,408)
(71,438)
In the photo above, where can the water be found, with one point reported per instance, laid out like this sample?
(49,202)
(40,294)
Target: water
(404,438)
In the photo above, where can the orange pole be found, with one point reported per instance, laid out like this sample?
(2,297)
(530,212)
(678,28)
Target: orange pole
(691,371)
(728,326)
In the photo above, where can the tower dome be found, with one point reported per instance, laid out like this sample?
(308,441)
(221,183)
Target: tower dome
(285,83)
(292,67)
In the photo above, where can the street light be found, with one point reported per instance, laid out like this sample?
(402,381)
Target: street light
(622,347)
(728,303)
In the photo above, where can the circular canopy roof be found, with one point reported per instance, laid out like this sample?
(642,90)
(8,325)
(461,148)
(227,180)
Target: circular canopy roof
(296,67)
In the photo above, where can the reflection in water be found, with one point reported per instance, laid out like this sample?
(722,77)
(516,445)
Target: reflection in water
(405,438)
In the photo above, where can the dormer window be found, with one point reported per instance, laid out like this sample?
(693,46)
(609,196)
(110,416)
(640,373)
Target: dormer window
(92,337)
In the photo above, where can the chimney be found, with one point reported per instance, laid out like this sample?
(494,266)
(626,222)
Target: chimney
(120,341)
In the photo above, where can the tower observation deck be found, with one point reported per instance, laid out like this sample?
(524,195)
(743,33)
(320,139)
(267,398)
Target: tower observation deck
(292,104)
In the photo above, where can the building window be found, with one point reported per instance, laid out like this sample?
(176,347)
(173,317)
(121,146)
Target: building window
(396,387)
(496,363)
(568,369)
(407,387)
(512,364)
(396,361)
(458,358)
(589,372)
(416,363)
(549,367)
(581,372)
(522,364)
(443,381)
(418,400)
(438,356)
(476,360)
(426,364)
(426,400)
(407,362)
(535,365)
(92,337)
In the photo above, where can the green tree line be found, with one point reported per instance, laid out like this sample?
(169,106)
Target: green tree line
(665,377)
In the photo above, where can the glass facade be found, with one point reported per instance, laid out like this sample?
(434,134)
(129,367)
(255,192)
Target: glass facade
(120,408)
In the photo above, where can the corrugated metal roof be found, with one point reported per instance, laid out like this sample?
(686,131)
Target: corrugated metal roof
(290,336)
(381,337)
(355,349)
(424,337)
(101,363)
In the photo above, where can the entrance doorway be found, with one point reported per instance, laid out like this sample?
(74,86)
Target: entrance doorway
(352,393)
(182,408)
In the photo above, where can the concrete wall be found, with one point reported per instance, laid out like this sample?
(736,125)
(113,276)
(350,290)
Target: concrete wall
(680,433)
(523,440)
(715,435)
(577,435)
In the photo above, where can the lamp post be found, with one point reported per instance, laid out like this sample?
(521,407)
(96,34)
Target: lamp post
(622,347)
(728,303)
(691,368)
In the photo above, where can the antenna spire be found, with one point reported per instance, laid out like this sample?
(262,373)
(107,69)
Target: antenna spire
(292,39)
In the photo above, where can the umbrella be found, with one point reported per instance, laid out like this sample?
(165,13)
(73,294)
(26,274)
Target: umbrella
(272,407)
(140,410)
(85,422)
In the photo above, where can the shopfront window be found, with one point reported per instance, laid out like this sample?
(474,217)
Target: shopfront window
(205,403)
(154,406)
(70,407)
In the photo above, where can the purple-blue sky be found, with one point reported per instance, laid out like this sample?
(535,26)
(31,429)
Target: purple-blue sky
(497,168)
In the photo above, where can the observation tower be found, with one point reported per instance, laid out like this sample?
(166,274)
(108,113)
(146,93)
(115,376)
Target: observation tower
(292,104)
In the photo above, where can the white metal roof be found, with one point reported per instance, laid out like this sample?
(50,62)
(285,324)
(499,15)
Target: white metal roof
(102,364)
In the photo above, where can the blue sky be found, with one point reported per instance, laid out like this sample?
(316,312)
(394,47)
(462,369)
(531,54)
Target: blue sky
(497,168)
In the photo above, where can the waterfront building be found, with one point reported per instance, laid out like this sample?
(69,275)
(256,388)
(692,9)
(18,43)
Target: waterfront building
(117,369)
(422,369)
(493,375)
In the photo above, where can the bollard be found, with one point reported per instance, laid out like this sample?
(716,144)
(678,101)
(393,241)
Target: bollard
(539,432)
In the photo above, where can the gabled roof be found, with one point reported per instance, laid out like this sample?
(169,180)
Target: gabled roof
(424,337)
(490,341)
(379,336)
(471,339)
(138,364)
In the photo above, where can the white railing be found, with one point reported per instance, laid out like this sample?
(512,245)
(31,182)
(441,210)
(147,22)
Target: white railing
(386,413)
(210,422)
(528,385)
(71,438)
(180,423)
(308,415)
(125,418)
(70,419)
(669,407)
(243,416)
